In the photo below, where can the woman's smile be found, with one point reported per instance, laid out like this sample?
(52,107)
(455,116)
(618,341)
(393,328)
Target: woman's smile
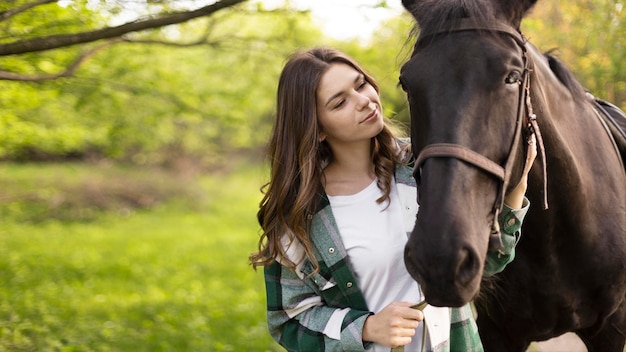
(371,117)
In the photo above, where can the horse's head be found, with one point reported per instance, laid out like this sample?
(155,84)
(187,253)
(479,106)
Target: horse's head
(465,83)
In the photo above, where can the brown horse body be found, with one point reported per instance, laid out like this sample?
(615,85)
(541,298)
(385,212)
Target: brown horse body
(466,87)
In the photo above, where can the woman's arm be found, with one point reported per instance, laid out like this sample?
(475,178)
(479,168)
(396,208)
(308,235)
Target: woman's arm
(515,198)
(511,217)
(299,320)
(510,221)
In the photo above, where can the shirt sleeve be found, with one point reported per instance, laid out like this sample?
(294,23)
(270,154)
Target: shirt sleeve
(464,334)
(297,316)
(511,230)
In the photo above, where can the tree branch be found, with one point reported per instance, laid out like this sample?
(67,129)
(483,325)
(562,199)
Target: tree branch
(202,41)
(69,71)
(64,40)
(10,13)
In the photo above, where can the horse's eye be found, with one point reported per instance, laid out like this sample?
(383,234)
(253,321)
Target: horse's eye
(513,77)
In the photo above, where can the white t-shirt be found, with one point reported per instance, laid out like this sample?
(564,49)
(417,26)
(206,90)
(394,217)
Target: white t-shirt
(374,236)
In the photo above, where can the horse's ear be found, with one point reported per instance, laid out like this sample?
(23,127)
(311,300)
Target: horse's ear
(408,5)
(516,10)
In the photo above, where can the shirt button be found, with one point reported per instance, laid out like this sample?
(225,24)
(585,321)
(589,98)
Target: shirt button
(511,222)
(331,250)
(349,284)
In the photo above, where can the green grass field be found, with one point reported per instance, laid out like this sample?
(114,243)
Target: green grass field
(168,277)
(107,258)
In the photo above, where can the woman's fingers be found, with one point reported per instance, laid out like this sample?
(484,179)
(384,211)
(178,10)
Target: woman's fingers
(532,153)
(394,325)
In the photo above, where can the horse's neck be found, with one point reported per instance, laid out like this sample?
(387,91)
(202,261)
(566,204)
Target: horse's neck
(576,142)
(559,108)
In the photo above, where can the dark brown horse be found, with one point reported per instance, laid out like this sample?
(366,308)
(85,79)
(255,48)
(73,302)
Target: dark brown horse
(476,87)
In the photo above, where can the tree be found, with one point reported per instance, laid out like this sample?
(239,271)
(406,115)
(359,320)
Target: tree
(156,98)
(23,36)
(590,37)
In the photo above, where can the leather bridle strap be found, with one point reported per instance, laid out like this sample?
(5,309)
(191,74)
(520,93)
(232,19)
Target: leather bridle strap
(460,152)
(467,24)
(456,151)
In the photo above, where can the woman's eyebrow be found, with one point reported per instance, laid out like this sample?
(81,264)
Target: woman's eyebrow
(334,96)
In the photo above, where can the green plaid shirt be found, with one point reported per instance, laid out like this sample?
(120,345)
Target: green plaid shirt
(300,303)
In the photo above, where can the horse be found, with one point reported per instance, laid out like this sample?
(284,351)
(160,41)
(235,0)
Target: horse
(477,89)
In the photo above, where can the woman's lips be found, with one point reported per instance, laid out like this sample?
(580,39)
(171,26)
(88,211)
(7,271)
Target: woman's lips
(371,116)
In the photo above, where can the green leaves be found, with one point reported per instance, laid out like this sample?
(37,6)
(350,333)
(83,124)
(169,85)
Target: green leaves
(590,37)
(204,88)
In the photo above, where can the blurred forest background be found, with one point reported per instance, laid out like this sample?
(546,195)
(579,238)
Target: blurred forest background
(203,89)
(131,156)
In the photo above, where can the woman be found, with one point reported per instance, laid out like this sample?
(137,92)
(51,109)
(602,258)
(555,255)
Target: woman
(335,218)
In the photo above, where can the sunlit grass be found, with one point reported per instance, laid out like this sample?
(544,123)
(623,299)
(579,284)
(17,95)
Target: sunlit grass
(35,192)
(165,279)
(171,277)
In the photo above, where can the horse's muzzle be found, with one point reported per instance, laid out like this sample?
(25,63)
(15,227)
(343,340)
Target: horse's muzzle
(445,280)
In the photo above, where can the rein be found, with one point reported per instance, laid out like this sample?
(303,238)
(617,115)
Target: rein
(448,150)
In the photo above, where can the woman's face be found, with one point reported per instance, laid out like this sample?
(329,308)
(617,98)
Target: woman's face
(348,107)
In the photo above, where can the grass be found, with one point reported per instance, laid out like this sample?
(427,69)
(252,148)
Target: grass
(82,192)
(163,278)
(85,265)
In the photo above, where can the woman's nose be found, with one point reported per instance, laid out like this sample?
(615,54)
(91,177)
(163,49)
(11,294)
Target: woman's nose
(363,101)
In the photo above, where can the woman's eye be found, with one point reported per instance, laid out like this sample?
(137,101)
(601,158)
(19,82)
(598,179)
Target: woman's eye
(339,104)
(513,78)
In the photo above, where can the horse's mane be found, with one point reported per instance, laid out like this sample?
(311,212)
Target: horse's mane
(566,77)
(491,291)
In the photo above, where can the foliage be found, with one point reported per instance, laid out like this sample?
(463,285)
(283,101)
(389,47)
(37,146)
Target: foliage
(146,15)
(155,104)
(590,37)
(197,91)
(39,22)
(171,279)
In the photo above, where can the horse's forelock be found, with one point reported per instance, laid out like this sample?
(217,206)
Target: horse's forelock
(432,14)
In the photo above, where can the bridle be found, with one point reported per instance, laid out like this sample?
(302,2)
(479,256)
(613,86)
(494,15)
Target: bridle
(528,121)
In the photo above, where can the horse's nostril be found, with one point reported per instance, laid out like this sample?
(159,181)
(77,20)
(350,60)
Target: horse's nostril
(467,266)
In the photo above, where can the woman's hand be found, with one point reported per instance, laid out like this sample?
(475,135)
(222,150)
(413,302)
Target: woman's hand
(516,197)
(394,325)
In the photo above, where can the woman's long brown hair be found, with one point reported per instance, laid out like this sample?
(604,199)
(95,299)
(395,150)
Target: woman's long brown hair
(297,157)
